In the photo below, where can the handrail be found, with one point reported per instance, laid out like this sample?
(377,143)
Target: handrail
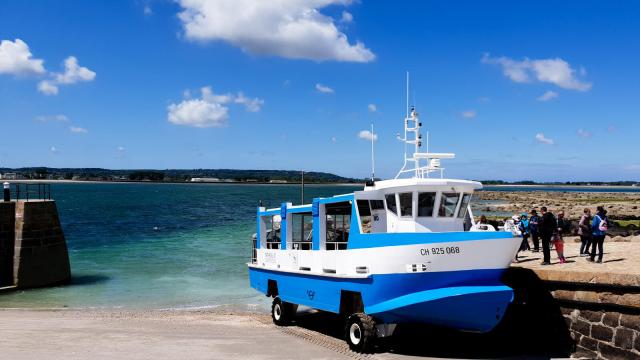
(31,191)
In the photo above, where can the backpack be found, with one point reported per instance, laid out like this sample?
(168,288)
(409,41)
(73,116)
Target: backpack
(603,226)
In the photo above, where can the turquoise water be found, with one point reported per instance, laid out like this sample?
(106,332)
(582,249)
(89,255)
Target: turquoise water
(160,245)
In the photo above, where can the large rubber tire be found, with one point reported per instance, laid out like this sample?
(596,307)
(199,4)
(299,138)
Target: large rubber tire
(282,313)
(360,333)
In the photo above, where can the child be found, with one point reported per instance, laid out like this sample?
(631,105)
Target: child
(558,242)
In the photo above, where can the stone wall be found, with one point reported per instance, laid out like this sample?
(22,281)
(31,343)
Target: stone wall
(600,334)
(601,311)
(7,241)
(41,257)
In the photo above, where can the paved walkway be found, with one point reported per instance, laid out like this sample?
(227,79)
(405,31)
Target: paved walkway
(621,264)
(69,335)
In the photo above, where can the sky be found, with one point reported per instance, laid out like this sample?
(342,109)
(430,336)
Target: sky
(544,91)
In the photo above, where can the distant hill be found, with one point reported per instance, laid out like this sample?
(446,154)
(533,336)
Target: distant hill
(172,175)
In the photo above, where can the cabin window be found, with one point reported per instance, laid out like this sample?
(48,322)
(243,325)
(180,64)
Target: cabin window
(406,204)
(466,199)
(425,204)
(376,204)
(391,203)
(338,224)
(273,231)
(448,204)
(301,231)
(365,215)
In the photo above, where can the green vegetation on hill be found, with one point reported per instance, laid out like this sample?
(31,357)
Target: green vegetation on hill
(172,175)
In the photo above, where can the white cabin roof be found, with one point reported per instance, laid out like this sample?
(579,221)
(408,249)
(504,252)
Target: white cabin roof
(425,182)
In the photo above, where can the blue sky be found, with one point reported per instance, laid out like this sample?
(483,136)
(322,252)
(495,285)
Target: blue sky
(520,90)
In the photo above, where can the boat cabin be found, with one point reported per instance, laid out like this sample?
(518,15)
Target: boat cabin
(385,207)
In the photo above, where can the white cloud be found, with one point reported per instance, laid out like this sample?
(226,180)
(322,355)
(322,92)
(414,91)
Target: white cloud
(53,150)
(74,73)
(346,17)
(334,139)
(47,118)
(47,87)
(252,105)
(469,114)
(16,59)
(324,89)
(555,71)
(583,133)
(368,135)
(372,108)
(78,130)
(288,28)
(543,140)
(120,148)
(210,110)
(147,10)
(548,95)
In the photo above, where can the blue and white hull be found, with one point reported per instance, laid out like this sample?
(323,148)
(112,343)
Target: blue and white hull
(454,284)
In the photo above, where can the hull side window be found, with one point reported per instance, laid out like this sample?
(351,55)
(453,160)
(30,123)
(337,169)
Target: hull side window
(426,202)
(391,203)
(448,204)
(406,204)
(376,204)
(365,216)
(338,220)
(273,231)
(302,231)
(466,199)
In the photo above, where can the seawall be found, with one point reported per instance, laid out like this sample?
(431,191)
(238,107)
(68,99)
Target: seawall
(583,309)
(33,249)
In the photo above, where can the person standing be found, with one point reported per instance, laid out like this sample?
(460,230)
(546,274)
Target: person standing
(563,226)
(533,230)
(599,229)
(584,230)
(546,226)
(523,225)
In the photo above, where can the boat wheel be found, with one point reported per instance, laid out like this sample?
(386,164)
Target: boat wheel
(360,333)
(282,313)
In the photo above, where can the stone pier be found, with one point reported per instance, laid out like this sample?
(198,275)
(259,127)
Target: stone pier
(33,250)
(594,309)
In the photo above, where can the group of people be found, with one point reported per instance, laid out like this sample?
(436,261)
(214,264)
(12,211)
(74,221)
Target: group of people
(548,229)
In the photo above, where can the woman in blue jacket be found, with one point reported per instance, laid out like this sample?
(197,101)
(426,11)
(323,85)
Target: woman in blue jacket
(599,228)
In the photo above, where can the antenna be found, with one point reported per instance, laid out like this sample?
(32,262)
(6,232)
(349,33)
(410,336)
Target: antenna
(407,108)
(302,183)
(373,161)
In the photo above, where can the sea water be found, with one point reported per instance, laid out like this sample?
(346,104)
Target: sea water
(143,245)
(160,245)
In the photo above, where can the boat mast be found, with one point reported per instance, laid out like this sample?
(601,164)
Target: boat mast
(412,126)
(373,161)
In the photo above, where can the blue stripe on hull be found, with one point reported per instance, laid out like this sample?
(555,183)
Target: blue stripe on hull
(461,299)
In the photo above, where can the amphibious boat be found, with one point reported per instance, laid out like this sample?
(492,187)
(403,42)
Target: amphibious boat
(405,250)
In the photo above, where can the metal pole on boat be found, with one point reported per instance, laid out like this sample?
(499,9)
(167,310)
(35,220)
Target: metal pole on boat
(302,194)
(373,162)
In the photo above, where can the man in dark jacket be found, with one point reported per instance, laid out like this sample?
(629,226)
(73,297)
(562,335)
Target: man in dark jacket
(533,229)
(546,227)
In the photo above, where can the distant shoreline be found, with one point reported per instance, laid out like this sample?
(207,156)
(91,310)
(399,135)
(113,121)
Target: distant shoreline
(45,181)
(57,181)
